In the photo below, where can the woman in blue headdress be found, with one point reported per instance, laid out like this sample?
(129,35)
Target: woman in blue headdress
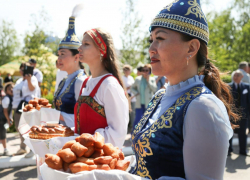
(69,88)
(185,131)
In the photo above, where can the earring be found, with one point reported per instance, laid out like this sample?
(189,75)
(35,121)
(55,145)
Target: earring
(101,57)
(188,58)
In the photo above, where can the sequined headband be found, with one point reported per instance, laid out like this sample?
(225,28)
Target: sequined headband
(93,33)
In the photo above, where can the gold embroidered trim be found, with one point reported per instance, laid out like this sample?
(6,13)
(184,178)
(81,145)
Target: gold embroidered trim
(195,9)
(170,5)
(142,146)
(93,104)
(58,101)
(182,25)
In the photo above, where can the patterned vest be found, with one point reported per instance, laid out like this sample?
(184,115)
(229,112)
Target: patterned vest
(66,101)
(158,148)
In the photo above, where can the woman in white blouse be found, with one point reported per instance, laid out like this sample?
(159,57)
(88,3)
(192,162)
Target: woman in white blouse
(102,106)
(25,89)
(185,131)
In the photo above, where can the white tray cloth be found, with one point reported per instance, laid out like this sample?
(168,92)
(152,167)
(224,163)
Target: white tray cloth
(51,174)
(36,117)
(42,147)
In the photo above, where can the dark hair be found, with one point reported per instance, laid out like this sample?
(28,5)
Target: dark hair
(7,85)
(75,52)
(111,62)
(22,65)
(213,81)
(140,68)
(32,61)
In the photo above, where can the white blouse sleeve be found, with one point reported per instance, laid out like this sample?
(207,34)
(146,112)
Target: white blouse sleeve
(6,102)
(206,133)
(78,86)
(117,115)
(68,119)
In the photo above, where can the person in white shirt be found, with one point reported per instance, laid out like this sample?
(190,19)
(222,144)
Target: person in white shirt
(243,67)
(25,89)
(128,82)
(6,115)
(102,106)
(38,74)
(60,75)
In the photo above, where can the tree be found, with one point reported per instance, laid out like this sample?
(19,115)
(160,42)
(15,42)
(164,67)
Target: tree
(134,40)
(37,46)
(9,43)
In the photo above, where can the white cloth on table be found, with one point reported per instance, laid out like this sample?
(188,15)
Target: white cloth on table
(206,131)
(112,97)
(26,93)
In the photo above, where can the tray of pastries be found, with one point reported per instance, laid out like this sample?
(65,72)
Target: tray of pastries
(37,104)
(50,131)
(87,153)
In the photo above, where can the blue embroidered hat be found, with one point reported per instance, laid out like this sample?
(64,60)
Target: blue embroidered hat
(184,16)
(70,41)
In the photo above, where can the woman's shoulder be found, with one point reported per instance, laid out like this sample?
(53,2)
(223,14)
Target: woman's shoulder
(208,104)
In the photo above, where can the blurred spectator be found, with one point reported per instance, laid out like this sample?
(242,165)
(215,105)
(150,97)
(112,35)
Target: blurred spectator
(8,78)
(241,96)
(248,68)
(6,115)
(128,82)
(160,81)
(144,89)
(24,90)
(243,67)
(139,70)
(59,75)
(1,86)
(38,74)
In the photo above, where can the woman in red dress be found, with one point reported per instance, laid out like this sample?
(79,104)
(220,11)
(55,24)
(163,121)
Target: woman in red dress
(102,105)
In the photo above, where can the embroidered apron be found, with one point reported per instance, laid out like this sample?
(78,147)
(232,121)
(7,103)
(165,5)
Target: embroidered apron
(89,115)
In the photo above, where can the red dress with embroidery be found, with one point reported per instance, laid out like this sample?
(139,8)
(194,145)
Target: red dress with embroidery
(89,115)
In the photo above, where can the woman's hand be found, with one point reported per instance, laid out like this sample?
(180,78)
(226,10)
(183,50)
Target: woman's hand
(61,118)
(28,77)
(10,121)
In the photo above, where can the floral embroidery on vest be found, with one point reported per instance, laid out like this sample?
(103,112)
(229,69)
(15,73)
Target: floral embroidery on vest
(142,144)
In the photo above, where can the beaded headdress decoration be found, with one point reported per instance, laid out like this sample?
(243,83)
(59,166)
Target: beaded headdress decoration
(184,16)
(93,33)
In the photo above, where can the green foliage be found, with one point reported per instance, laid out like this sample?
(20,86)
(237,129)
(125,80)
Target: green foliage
(134,41)
(9,43)
(37,48)
(50,97)
(226,78)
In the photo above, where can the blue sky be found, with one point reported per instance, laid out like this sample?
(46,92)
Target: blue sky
(96,13)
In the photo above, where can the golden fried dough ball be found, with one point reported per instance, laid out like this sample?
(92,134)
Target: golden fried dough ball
(97,153)
(87,140)
(112,164)
(110,150)
(67,155)
(53,161)
(122,165)
(99,166)
(90,151)
(79,149)
(99,140)
(68,144)
(78,167)
(89,161)
(103,160)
